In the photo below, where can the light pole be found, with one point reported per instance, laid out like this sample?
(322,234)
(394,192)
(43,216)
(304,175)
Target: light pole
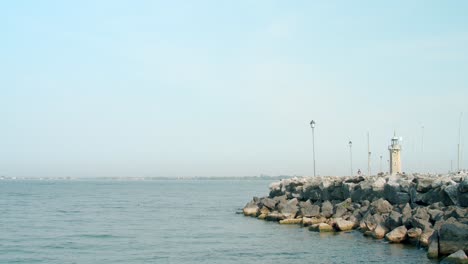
(459,140)
(381,163)
(351,157)
(312,125)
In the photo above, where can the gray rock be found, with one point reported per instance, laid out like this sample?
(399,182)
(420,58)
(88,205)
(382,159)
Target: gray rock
(308,209)
(268,202)
(456,258)
(433,249)
(397,235)
(452,193)
(251,209)
(452,237)
(343,225)
(381,206)
(275,216)
(425,236)
(340,210)
(424,184)
(327,209)
(290,209)
(406,215)
(394,220)
(463,186)
(463,199)
(435,215)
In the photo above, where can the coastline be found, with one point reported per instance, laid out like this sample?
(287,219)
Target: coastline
(428,211)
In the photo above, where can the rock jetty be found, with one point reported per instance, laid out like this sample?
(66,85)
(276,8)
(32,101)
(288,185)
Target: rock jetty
(428,211)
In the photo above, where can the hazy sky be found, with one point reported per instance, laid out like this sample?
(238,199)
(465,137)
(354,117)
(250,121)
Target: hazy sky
(228,88)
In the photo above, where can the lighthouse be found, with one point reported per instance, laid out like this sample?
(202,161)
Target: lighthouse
(395,158)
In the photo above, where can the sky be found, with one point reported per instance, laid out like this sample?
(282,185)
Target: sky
(228,88)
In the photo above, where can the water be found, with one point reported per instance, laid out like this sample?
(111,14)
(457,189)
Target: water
(165,222)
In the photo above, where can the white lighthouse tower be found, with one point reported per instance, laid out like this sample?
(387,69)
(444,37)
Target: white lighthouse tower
(395,158)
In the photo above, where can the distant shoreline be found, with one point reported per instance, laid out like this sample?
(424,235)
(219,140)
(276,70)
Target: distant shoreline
(144,178)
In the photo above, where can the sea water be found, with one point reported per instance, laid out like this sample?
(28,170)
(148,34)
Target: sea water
(165,221)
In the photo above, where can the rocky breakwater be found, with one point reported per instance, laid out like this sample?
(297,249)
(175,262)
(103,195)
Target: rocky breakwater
(425,210)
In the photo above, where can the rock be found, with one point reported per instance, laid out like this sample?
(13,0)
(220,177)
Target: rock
(406,215)
(420,223)
(344,225)
(452,193)
(463,186)
(414,234)
(435,215)
(424,184)
(307,209)
(393,194)
(378,184)
(294,221)
(433,249)
(425,236)
(373,221)
(275,216)
(339,211)
(457,257)
(289,210)
(394,220)
(452,237)
(397,235)
(251,209)
(327,209)
(463,199)
(381,206)
(322,227)
(380,231)
(269,203)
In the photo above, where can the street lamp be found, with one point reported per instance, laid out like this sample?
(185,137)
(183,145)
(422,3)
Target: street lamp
(351,157)
(312,125)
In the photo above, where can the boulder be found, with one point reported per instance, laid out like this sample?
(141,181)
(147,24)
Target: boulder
(327,209)
(394,220)
(463,185)
(452,237)
(268,202)
(414,234)
(452,193)
(275,216)
(433,249)
(339,211)
(322,227)
(380,231)
(458,257)
(381,206)
(289,210)
(425,236)
(344,225)
(294,221)
(251,209)
(424,184)
(393,194)
(397,235)
(406,215)
(307,209)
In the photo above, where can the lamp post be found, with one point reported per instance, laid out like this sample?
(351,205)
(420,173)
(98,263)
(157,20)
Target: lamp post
(312,125)
(351,157)
(381,163)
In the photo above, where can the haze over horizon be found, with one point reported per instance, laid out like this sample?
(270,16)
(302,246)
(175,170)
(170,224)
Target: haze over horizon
(221,88)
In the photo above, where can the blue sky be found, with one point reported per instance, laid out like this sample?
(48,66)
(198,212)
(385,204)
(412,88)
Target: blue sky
(228,88)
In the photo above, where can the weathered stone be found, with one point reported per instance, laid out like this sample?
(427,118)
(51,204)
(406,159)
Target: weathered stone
(327,209)
(406,215)
(381,206)
(463,185)
(414,233)
(308,209)
(463,199)
(322,227)
(393,194)
(433,249)
(424,184)
(343,225)
(394,220)
(458,257)
(380,231)
(289,210)
(425,236)
(452,193)
(420,223)
(452,237)
(435,214)
(293,221)
(339,211)
(251,209)
(275,216)
(268,202)
(397,235)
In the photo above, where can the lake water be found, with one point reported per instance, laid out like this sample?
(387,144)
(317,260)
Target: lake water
(173,221)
